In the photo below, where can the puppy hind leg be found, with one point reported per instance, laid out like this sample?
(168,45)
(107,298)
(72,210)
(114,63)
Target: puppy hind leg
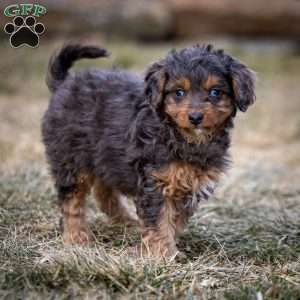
(113,204)
(75,228)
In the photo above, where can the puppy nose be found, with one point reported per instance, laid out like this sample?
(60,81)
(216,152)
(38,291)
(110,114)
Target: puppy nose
(195,118)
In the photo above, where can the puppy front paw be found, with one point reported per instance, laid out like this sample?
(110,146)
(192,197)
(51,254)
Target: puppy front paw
(79,236)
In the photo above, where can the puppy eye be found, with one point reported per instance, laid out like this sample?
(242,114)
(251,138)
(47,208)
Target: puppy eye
(180,93)
(214,93)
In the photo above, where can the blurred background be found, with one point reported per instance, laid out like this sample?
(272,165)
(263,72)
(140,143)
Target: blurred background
(263,34)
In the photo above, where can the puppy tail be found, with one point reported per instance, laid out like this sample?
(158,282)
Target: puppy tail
(62,61)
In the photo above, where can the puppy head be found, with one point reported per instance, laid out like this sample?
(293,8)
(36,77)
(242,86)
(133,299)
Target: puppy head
(199,88)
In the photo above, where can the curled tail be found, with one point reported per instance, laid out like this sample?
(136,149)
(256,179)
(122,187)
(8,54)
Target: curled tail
(61,62)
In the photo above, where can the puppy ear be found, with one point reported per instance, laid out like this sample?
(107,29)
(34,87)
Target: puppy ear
(243,84)
(155,80)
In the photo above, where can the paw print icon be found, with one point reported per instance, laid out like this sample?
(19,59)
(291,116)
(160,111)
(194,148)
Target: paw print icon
(24,32)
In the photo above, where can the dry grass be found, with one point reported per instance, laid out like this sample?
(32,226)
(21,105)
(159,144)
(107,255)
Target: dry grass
(242,244)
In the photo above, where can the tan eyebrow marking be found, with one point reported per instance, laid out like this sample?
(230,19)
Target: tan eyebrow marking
(184,83)
(211,81)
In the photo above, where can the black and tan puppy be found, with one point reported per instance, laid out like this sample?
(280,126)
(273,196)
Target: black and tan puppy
(162,139)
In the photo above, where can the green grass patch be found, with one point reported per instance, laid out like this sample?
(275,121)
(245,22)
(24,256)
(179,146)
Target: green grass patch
(232,252)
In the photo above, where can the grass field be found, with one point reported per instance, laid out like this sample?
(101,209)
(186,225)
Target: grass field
(244,243)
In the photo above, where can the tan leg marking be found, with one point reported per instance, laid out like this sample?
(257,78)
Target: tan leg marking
(113,204)
(76,230)
(160,242)
(181,221)
(176,181)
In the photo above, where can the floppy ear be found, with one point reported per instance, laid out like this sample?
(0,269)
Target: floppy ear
(243,84)
(155,81)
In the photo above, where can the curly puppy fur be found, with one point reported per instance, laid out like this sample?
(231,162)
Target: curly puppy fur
(162,139)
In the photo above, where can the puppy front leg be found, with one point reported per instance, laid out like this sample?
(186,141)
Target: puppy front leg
(158,217)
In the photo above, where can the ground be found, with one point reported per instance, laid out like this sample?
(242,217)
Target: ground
(244,243)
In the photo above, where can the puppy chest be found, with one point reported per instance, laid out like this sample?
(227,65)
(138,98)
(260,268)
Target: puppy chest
(179,180)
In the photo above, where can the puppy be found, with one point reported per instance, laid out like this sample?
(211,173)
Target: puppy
(162,139)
